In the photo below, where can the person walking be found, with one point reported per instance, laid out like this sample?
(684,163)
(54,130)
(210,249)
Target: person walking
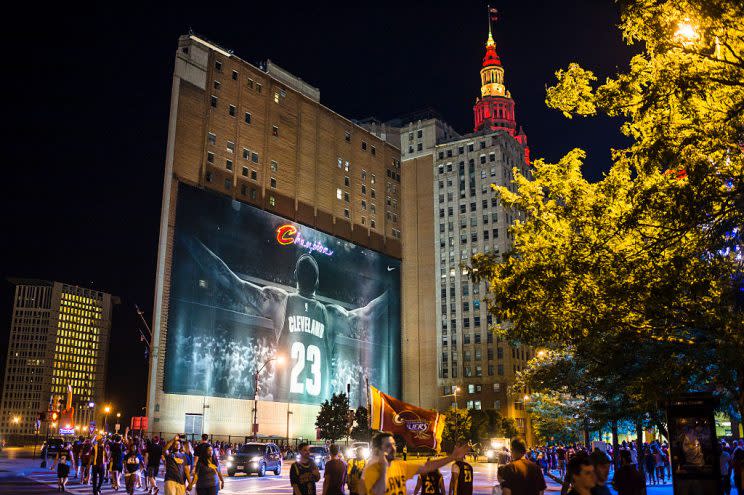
(97,463)
(116,457)
(430,483)
(627,479)
(63,460)
(521,476)
(304,473)
(601,464)
(580,472)
(207,476)
(385,475)
(132,464)
(461,482)
(334,476)
(153,455)
(85,454)
(354,474)
(177,471)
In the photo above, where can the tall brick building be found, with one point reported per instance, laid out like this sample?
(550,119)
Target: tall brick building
(261,136)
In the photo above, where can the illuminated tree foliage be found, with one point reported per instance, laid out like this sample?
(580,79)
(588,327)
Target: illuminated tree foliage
(638,277)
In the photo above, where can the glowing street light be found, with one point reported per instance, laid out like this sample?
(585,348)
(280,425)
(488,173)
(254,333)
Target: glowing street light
(686,32)
(16,419)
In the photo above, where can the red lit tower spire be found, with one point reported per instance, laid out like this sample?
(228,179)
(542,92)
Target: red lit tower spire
(494,110)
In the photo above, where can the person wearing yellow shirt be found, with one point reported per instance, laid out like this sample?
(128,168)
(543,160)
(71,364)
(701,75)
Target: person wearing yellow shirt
(384,475)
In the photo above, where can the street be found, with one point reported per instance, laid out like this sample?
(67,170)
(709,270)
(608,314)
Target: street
(19,474)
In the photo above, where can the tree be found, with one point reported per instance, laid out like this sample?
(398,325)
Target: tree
(457,426)
(332,420)
(640,274)
(361,431)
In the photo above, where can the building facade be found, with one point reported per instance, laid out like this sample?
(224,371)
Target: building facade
(59,338)
(451,213)
(260,136)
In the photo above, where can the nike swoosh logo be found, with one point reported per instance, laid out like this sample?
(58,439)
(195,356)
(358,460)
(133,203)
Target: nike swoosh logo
(390,269)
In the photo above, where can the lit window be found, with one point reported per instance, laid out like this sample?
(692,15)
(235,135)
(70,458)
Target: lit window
(272,201)
(346,166)
(339,193)
(276,97)
(231,147)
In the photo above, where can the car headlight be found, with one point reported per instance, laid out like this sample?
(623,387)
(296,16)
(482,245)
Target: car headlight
(256,458)
(366,453)
(490,453)
(349,453)
(230,458)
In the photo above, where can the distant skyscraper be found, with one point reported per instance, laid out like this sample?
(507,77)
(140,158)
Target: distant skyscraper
(59,336)
(449,214)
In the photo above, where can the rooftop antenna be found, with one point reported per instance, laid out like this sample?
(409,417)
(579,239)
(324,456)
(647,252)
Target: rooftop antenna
(493,16)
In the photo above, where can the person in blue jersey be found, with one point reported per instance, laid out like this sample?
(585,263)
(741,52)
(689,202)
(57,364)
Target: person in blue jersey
(306,329)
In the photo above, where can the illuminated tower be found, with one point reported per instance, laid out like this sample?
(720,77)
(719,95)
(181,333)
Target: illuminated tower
(494,110)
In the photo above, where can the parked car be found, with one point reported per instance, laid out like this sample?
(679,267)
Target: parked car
(319,454)
(52,445)
(255,458)
(351,451)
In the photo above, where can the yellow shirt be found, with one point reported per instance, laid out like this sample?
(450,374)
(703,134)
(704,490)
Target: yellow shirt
(397,474)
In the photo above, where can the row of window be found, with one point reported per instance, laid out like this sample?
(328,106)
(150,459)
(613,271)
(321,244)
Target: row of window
(471,371)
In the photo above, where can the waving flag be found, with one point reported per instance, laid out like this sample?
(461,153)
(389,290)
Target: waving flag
(418,427)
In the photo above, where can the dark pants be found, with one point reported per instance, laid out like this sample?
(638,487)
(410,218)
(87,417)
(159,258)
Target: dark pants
(98,473)
(212,490)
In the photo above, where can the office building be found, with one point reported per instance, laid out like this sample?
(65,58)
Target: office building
(59,337)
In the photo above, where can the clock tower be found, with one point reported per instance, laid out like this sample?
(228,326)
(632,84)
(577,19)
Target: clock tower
(494,110)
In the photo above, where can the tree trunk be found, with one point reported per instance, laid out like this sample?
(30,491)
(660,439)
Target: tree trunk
(586,433)
(615,445)
(662,430)
(639,444)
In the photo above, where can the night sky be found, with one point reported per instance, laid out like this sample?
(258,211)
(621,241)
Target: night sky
(88,99)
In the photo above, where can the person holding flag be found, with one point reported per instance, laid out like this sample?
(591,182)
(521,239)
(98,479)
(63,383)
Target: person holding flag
(384,475)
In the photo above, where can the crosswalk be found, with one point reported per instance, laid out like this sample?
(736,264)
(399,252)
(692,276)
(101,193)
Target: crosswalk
(49,478)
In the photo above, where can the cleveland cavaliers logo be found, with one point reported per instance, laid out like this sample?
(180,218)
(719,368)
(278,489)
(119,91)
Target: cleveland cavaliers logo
(288,234)
(413,423)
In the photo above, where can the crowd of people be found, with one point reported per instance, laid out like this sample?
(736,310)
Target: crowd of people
(135,462)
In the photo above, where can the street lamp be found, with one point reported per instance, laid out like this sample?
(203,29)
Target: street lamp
(106,410)
(279,360)
(16,419)
(686,32)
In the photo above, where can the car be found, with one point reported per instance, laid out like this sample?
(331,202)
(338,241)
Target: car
(255,458)
(51,447)
(350,452)
(319,454)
